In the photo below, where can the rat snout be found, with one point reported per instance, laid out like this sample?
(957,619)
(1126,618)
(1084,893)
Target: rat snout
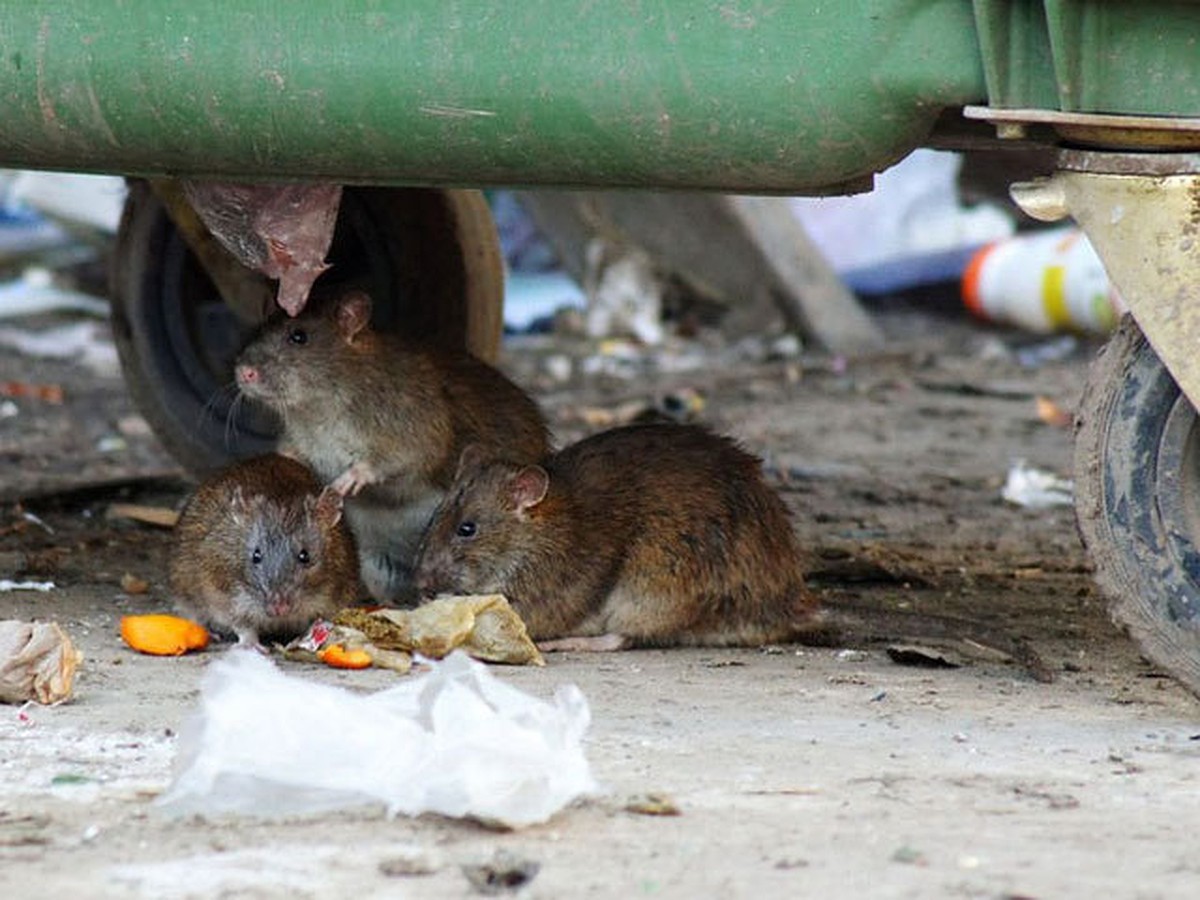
(427,582)
(246,374)
(279,604)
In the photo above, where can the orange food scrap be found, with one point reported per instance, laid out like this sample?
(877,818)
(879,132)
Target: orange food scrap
(340,658)
(163,635)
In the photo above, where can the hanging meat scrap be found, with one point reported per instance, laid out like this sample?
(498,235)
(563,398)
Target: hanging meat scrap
(281,230)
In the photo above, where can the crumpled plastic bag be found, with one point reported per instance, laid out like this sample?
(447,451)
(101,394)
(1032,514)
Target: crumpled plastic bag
(1036,489)
(37,662)
(455,741)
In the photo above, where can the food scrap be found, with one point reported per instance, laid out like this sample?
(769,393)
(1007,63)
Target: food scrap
(339,657)
(163,635)
(484,625)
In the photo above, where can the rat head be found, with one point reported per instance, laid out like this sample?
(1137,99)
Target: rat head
(486,529)
(286,553)
(296,362)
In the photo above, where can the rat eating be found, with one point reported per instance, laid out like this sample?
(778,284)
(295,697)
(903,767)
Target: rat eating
(647,535)
(260,549)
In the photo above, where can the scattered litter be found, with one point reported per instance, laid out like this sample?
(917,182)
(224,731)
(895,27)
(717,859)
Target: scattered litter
(111,444)
(70,779)
(624,293)
(162,516)
(162,635)
(37,662)
(921,657)
(505,873)
(8,409)
(131,584)
(34,519)
(652,805)
(1036,489)
(558,366)
(94,201)
(484,625)
(1037,355)
(910,856)
(410,862)
(851,655)
(7,584)
(342,647)
(85,343)
(1053,414)
(50,393)
(1043,281)
(455,741)
(35,292)
(134,426)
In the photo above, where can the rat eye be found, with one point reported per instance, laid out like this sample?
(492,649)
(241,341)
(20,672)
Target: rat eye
(466,529)
(298,336)
(303,558)
(256,556)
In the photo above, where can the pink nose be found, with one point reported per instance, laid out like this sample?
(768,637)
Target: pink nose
(246,374)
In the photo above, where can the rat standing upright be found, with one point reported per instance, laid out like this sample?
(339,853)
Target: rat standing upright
(383,418)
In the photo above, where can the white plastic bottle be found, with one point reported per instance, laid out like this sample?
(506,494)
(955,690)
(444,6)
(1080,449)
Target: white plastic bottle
(1044,281)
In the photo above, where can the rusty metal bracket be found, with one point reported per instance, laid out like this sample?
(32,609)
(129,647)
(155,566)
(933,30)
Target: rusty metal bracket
(1142,214)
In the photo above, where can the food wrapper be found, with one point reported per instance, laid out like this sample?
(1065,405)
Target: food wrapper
(455,741)
(37,662)
(322,635)
(484,625)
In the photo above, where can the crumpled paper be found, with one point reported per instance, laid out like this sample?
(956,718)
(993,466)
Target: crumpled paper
(37,662)
(455,741)
(1036,489)
(484,625)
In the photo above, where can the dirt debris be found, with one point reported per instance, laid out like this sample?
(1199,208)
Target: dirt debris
(800,770)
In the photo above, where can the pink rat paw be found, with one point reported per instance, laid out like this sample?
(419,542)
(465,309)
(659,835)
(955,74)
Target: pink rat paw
(601,643)
(354,479)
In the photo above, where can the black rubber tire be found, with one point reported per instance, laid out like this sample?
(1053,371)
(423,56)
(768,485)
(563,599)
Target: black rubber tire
(430,259)
(1137,490)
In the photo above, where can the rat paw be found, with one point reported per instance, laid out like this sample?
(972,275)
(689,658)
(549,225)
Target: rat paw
(354,479)
(601,643)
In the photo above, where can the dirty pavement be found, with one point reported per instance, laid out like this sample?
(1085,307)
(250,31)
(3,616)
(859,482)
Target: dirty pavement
(787,771)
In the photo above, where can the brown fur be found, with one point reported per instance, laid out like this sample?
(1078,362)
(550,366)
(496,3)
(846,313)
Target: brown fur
(349,395)
(276,504)
(663,534)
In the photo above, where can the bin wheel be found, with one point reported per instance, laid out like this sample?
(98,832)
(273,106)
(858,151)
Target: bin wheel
(1137,483)
(430,259)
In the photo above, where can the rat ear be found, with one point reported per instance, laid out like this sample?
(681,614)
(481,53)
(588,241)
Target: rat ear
(529,487)
(328,508)
(472,457)
(239,506)
(353,314)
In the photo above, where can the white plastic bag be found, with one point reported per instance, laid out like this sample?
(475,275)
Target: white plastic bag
(455,741)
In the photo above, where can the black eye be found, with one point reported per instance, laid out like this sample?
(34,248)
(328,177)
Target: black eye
(256,556)
(303,558)
(298,336)
(466,529)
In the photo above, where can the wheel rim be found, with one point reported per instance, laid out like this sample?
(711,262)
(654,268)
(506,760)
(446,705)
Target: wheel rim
(1137,468)
(1177,493)
(430,259)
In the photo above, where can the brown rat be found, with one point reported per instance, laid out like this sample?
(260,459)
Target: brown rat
(260,548)
(647,535)
(384,419)
(643,535)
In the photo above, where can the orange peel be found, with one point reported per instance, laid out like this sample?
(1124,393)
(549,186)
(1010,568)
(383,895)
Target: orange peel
(340,658)
(163,635)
